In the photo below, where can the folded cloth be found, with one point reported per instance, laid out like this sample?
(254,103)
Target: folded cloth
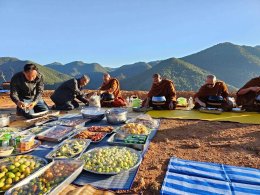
(191,177)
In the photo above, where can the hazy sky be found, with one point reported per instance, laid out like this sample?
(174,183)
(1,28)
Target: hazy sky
(117,32)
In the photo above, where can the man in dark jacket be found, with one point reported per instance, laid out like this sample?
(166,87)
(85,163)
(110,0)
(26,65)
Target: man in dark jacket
(26,90)
(64,96)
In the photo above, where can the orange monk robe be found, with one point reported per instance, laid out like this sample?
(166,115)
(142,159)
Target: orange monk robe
(112,86)
(220,89)
(164,88)
(248,98)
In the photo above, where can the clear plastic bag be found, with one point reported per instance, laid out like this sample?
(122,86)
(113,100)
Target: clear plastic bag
(145,120)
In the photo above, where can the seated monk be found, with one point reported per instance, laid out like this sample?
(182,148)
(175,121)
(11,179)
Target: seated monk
(249,95)
(213,94)
(111,86)
(161,87)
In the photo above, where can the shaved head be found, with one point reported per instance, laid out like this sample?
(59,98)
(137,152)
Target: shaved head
(157,78)
(106,77)
(211,80)
(212,77)
(157,75)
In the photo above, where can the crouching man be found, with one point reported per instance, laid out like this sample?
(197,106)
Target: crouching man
(66,94)
(26,90)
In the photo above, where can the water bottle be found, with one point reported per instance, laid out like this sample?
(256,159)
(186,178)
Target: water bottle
(131,100)
(136,102)
(128,102)
(190,103)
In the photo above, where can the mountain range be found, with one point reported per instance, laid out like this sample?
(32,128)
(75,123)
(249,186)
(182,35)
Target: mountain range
(10,66)
(234,64)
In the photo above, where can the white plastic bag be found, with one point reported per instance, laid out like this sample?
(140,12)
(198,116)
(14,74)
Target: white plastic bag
(94,101)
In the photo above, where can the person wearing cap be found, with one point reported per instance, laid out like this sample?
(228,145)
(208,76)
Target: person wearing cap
(26,90)
(64,96)
(213,89)
(249,95)
(161,87)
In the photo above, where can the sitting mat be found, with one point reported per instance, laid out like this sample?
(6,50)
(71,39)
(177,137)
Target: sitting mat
(217,171)
(192,177)
(175,183)
(243,117)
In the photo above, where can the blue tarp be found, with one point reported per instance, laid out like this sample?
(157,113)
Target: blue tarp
(192,177)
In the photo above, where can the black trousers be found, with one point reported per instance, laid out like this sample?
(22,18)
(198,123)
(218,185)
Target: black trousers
(226,106)
(162,107)
(69,105)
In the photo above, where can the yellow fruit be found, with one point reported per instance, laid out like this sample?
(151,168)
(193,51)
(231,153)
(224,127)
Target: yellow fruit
(2,167)
(6,187)
(9,181)
(16,179)
(33,163)
(11,167)
(17,164)
(27,170)
(2,174)
(21,161)
(22,176)
(10,175)
(15,170)
(17,157)
(27,163)
(22,168)
(2,184)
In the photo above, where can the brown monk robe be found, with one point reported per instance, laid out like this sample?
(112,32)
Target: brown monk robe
(162,87)
(112,86)
(247,94)
(212,88)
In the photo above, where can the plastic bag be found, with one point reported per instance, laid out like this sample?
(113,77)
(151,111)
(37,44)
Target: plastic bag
(94,101)
(145,120)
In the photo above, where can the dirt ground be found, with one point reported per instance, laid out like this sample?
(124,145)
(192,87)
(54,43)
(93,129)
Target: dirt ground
(218,142)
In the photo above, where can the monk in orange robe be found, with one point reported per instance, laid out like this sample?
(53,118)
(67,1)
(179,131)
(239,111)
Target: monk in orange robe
(162,87)
(111,86)
(248,94)
(213,88)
